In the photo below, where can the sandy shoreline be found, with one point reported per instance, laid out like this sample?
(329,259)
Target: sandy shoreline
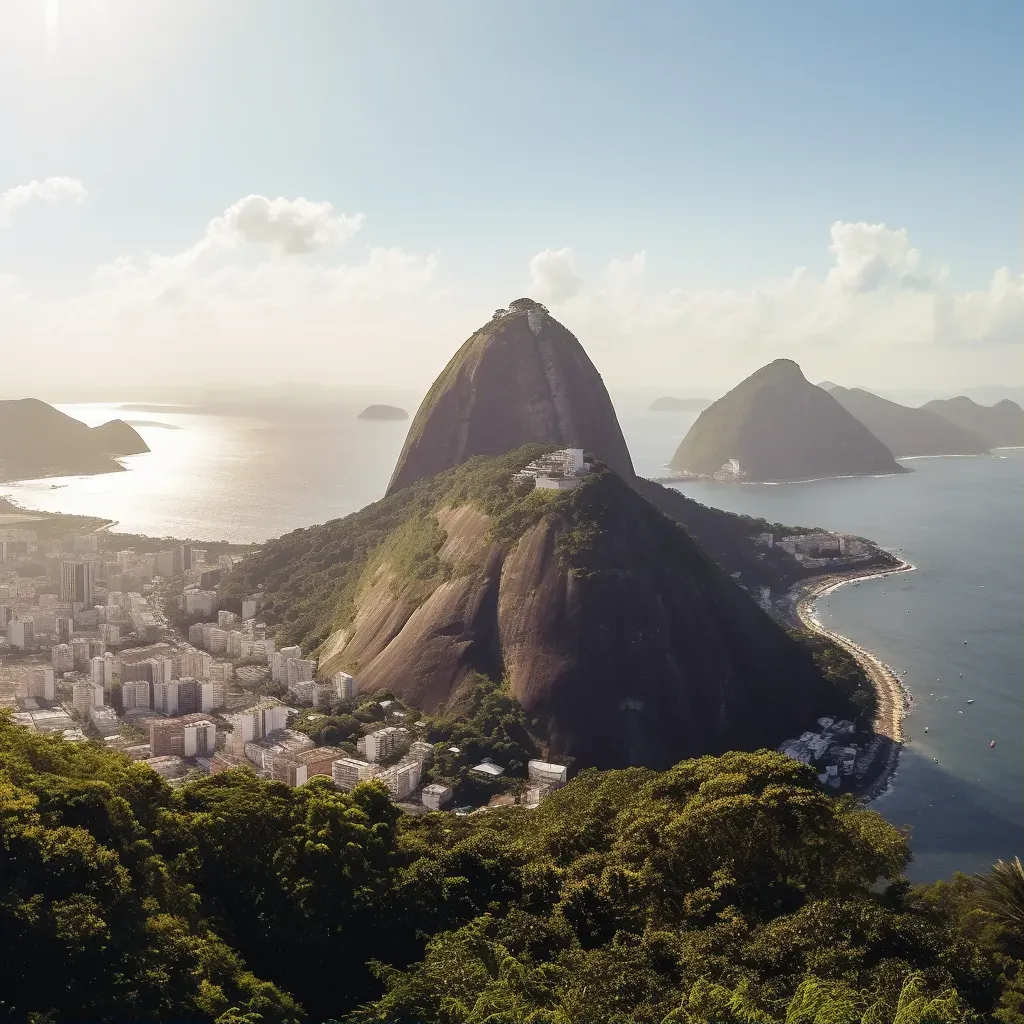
(893,697)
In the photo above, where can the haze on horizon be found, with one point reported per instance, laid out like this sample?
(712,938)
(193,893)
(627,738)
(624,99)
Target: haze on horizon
(340,193)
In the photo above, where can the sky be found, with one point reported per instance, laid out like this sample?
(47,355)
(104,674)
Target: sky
(341,191)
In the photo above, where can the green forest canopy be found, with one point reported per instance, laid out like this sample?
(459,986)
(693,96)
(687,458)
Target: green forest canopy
(727,889)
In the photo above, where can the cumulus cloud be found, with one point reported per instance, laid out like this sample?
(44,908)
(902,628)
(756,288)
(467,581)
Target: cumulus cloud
(880,312)
(50,190)
(553,275)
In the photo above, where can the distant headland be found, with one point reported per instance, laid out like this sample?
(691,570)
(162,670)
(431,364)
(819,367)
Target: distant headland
(383,412)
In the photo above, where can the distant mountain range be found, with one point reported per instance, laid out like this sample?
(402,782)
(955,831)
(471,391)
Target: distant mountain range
(37,440)
(906,431)
(1000,425)
(776,426)
(669,404)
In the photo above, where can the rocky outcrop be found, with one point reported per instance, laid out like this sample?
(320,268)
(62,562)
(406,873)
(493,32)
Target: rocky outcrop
(775,425)
(623,642)
(521,378)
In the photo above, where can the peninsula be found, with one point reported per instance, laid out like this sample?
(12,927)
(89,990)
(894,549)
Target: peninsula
(37,440)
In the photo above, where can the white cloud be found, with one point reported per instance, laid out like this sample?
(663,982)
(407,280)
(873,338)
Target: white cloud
(880,313)
(51,190)
(553,275)
(235,307)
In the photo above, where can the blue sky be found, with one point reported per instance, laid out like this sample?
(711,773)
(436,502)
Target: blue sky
(721,140)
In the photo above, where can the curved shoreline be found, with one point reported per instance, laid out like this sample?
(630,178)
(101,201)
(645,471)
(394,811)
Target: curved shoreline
(893,697)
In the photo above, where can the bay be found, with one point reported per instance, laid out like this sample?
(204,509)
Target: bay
(258,471)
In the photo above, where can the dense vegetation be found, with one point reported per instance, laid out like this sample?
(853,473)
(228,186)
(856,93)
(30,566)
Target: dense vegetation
(727,889)
(311,577)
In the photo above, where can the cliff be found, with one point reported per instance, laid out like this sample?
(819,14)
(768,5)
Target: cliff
(776,425)
(906,431)
(1000,425)
(37,440)
(520,378)
(624,643)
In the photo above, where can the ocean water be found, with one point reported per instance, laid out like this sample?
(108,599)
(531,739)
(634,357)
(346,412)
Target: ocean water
(247,477)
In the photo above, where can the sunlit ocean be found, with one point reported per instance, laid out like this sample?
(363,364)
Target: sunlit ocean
(251,476)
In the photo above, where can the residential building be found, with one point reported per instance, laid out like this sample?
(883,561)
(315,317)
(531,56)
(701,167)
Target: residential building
(212,695)
(110,632)
(402,778)
(35,684)
(80,654)
(76,587)
(300,670)
(199,738)
(86,695)
(64,627)
(135,694)
(101,670)
(297,769)
(435,796)
(348,772)
(546,773)
(488,769)
(249,608)
(279,663)
(167,735)
(200,602)
(21,633)
(256,722)
(105,720)
(345,686)
(165,697)
(282,743)
(384,742)
(62,658)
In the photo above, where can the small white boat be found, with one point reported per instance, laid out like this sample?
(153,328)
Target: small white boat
(926,728)
(970,700)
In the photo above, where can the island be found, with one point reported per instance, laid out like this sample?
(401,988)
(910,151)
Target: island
(670,404)
(383,412)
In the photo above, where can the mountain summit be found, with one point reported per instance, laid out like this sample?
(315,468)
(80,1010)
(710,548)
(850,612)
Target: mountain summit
(520,378)
(776,425)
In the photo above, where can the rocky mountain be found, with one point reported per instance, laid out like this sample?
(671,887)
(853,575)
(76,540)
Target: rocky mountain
(520,378)
(37,440)
(623,641)
(776,425)
(907,431)
(1000,425)
(383,412)
(670,404)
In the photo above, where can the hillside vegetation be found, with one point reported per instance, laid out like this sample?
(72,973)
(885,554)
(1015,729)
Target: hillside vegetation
(621,640)
(726,889)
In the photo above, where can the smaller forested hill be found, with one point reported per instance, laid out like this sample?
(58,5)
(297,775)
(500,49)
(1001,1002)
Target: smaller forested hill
(616,633)
(779,426)
(906,431)
(38,440)
(1001,425)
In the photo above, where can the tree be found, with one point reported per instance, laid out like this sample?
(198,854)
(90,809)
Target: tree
(1001,897)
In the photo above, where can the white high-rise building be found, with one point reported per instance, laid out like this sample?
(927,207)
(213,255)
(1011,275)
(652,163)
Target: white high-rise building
(348,772)
(200,738)
(86,695)
(255,723)
(345,686)
(384,742)
(165,697)
(21,633)
(62,658)
(135,694)
(101,670)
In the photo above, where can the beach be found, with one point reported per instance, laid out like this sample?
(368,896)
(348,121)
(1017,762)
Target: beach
(892,696)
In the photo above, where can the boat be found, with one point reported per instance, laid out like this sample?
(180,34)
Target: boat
(926,728)
(970,700)
(991,744)
(965,641)
(935,759)
(961,675)
(961,711)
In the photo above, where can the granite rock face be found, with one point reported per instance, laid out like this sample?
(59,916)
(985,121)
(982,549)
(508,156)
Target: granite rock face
(521,378)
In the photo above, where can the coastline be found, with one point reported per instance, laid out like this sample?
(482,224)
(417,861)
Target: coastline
(893,697)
